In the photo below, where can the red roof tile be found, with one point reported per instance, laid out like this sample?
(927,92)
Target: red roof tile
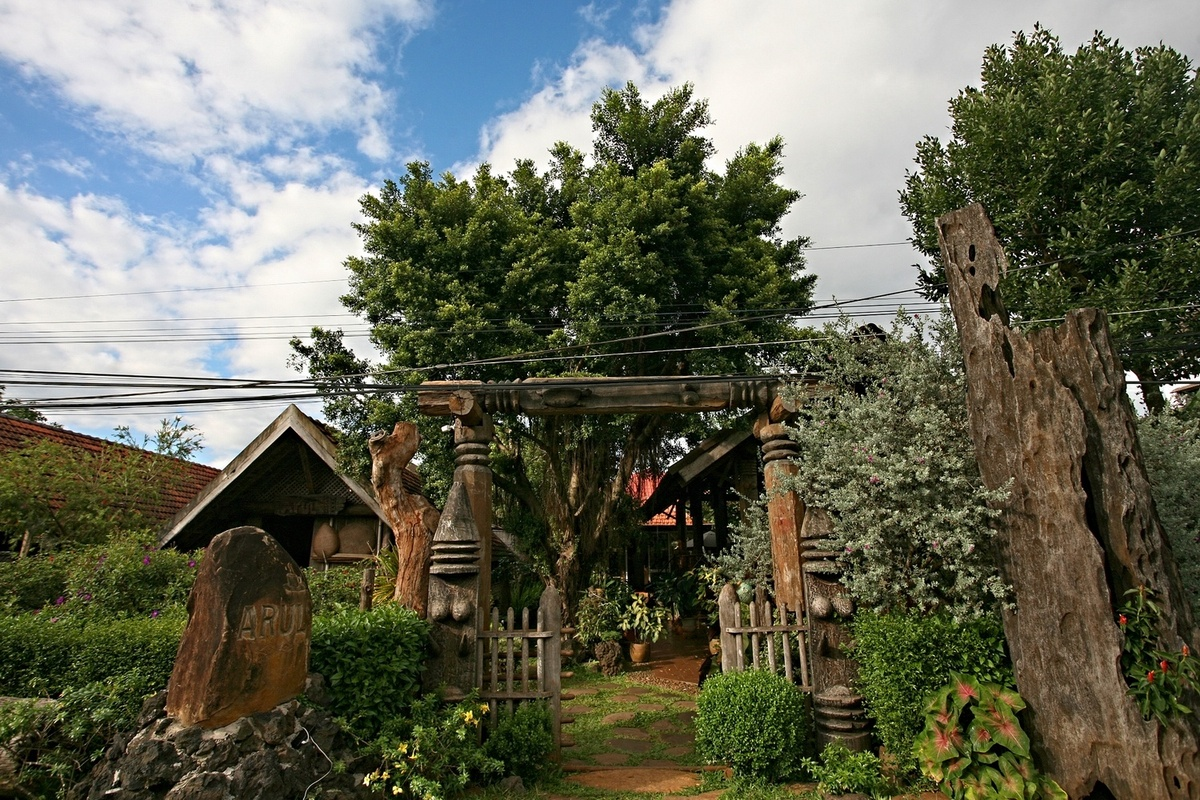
(18,433)
(641,486)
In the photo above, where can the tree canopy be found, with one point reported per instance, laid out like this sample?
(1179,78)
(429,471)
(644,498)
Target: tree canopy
(1089,167)
(638,260)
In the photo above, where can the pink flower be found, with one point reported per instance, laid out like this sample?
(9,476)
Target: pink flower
(192,563)
(154,614)
(873,480)
(146,559)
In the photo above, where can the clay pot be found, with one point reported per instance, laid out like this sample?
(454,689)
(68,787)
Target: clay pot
(639,652)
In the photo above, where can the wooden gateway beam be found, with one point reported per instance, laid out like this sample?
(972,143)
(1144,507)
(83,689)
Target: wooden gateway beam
(552,396)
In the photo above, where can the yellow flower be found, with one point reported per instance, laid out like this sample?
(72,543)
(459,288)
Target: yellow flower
(397,790)
(469,717)
(484,708)
(367,779)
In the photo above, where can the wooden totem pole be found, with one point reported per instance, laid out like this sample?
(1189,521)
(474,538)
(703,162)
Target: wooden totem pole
(454,598)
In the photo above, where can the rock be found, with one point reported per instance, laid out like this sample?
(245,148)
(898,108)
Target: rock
(609,656)
(269,755)
(513,785)
(316,690)
(245,648)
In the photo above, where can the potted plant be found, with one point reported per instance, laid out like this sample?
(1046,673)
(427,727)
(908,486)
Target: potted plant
(598,622)
(644,620)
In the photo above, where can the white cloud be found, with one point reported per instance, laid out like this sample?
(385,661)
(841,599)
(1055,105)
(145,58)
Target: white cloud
(187,79)
(850,86)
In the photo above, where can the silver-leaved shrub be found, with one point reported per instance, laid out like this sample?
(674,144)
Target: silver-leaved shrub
(886,451)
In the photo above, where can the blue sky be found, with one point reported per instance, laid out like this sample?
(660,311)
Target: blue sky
(183,177)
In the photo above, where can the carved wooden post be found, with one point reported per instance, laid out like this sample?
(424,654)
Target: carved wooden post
(784,509)
(837,709)
(454,598)
(473,434)
(411,517)
(729,612)
(1049,412)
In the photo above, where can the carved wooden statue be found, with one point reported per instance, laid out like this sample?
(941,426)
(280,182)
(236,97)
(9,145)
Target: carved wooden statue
(454,597)
(412,518)
(1049,412)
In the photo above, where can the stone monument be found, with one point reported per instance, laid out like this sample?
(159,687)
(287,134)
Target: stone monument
(245,648)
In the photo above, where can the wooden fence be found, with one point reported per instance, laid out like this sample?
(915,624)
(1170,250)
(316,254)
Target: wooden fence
(767,642)
(518,664)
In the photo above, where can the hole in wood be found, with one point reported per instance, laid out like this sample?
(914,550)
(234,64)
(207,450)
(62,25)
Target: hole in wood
(971,255)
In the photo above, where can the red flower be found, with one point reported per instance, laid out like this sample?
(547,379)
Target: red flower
(1122,619)
(1163,665)
(1150,676)
(1186,651)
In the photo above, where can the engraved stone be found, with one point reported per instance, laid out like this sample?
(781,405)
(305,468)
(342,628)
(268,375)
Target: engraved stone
(245,648)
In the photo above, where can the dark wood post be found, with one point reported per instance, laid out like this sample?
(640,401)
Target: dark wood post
(454,607)
(1049,412)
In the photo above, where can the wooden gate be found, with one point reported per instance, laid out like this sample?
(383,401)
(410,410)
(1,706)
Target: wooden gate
(519,664)
(769,638)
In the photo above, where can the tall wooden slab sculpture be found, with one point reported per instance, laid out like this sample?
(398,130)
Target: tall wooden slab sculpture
(454,598)
(1049,412)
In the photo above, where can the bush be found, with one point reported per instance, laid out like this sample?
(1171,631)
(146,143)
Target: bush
(436,753)
(42,655)
(55,744)
(29,583)
(372,661)
(128,577)
(523,740)
(903,657)
(841,772)
(1171,445)
(334,588)
(754,721)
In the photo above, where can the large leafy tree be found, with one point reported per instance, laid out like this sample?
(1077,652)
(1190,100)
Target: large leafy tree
(630,262)
(1089,166)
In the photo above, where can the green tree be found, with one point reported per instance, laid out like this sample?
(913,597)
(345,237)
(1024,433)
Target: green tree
(1171,445)
(19,409)
(631,263)
(1089,167)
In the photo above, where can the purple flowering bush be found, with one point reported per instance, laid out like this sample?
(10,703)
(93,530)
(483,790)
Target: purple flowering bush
(887,453)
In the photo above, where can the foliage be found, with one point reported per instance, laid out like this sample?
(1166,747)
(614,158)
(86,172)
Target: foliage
(435,752)
(372,663)
(644,617)
(128,577)
(20,409)
(53,494)
(599,613)
(756,722)
(682,594)
(1089,166)
(888,455)
(841,772)
(27,584)
(335,588)
(54,744)
(973,746)
(635,262)
(748,557)
(1158,675)
(1171,446)
(173,438)
(523,741)
(42,655)
(905,656)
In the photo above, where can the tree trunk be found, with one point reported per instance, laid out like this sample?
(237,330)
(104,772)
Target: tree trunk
(1049,413)
(412,518)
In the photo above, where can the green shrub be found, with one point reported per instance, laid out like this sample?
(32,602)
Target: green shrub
(903,657)
(128,577)
(756,722)
(42,655)
(523,740)
(372,663)
(30,583)
(334,588)
(841,772)
(55,744)
(436,753)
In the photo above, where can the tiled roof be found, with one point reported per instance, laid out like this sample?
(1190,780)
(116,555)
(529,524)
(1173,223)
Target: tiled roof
(641,487)
(18,433)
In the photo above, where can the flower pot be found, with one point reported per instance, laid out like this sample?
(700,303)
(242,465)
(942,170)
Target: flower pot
(639,652)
